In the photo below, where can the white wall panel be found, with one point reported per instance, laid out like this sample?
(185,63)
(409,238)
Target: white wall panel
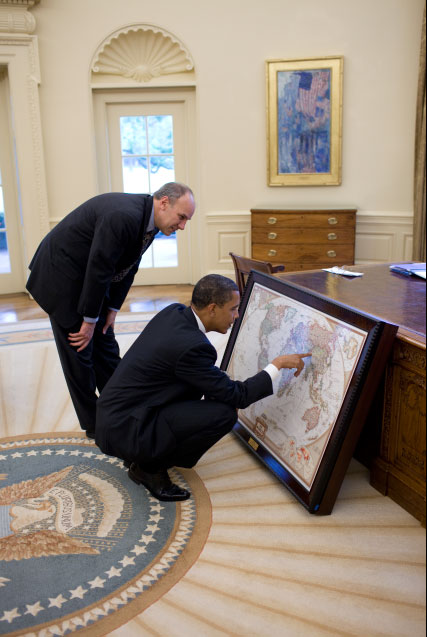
(383,237)
(226,232)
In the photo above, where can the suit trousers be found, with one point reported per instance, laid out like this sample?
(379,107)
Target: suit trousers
(196,426)
(88,370)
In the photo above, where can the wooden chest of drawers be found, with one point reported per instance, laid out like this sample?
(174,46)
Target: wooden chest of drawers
(303,239)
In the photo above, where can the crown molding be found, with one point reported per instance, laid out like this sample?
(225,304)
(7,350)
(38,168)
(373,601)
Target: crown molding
(15,18)
(19,3)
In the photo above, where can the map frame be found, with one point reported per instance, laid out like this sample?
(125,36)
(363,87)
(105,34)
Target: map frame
(379,335)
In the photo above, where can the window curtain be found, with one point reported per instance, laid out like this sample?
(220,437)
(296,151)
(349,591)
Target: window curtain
(419,243)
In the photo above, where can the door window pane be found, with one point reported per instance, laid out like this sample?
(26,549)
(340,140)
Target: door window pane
(165,251)
(161,171)
(135,174)
(160,134)
(4,252)
(147,163)
(133,135)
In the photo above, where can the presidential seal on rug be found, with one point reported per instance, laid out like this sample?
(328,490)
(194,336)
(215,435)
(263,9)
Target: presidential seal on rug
(81,545)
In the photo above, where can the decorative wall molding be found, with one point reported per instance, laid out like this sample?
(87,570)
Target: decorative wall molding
(141,52)
(26,42)
(15,18)
(383,236)
(226,232)
(19,55)
(19,3)
(380,237)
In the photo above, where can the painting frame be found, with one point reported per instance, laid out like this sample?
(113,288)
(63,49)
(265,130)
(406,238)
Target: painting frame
(363,382)
(304,121)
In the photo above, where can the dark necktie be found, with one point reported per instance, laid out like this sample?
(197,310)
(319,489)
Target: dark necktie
(146,242)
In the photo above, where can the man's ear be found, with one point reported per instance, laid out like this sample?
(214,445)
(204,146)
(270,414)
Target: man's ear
(211,308)
(164,201)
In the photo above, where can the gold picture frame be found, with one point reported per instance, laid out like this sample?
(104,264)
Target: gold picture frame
(304,121)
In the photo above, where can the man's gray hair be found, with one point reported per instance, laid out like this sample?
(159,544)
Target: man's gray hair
(173,190)
(213,288)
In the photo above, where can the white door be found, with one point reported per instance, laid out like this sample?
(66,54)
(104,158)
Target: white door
(147,144)
(11,270)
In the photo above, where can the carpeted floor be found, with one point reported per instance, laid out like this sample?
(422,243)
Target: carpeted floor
(265,568)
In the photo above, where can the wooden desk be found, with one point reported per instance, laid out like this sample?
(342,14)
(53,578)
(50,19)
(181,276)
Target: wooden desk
(393,443)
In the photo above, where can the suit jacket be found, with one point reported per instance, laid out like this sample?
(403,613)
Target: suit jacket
(72,269)
(171,361)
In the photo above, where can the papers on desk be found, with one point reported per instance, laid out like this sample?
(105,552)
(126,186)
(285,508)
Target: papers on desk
(337,270)
(410,269)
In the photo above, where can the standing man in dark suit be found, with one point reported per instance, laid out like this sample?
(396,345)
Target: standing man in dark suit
(82,272)
(151,414)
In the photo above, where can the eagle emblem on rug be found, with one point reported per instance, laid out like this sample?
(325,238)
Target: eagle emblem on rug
(39,516)
(67,508)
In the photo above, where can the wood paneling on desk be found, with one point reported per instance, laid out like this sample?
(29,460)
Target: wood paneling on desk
(398,469)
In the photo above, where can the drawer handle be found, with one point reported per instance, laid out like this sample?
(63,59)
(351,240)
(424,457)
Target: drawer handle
(272,220)
(272,253)
(272,235)
(332,236)
(331,253)
(332,221)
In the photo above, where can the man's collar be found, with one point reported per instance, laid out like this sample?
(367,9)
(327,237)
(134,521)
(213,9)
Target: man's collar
(151,225)
(199,322)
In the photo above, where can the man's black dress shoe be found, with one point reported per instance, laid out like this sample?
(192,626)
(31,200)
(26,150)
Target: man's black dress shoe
(90,433)
(159,484)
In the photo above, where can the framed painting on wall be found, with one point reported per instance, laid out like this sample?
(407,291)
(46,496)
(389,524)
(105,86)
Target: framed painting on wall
(304,121)
(306,432)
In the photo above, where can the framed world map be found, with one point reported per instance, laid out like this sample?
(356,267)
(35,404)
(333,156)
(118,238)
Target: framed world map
(307,430)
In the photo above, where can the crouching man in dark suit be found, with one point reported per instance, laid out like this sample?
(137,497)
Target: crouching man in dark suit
(151,413)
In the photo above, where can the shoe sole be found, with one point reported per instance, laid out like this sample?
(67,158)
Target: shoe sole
(162,498)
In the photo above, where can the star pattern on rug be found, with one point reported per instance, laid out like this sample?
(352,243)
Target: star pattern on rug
(10,615)
(117,570)
(78,592)
(57,601)
(34,609)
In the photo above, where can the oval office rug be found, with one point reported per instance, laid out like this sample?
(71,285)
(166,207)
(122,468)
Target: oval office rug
(82,547)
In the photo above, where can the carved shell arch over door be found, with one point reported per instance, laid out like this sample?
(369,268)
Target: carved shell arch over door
(141,52)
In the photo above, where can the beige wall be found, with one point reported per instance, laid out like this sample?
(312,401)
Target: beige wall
(230,41)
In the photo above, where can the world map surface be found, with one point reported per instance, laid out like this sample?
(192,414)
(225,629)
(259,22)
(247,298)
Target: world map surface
(296,422)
